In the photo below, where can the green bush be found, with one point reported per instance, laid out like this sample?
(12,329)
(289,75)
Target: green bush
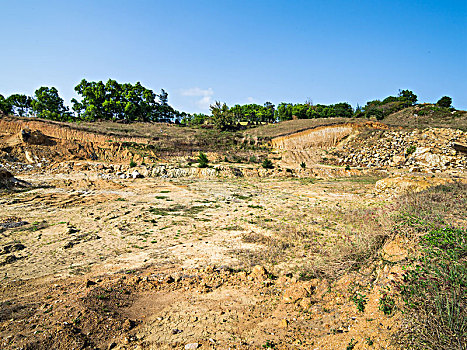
(411,149)
(434,292)
(267,164)
(203,161)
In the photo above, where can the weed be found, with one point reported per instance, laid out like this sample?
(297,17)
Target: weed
(303,165)
(434,292)
(203,161)
(351,344)
(132,163)
(359,301)
(121,199)
(369,341)
(269,345)
(411,149)
(386,304)
(161,197)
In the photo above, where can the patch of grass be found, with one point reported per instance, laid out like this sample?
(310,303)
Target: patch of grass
(434,292)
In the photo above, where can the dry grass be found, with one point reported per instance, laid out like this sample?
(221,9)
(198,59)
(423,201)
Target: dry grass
(407,119)
(293,126)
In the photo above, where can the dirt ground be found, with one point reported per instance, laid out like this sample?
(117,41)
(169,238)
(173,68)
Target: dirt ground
(158,263)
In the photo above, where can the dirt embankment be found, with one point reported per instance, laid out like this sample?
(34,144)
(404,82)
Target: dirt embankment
(41,143)
(11,126)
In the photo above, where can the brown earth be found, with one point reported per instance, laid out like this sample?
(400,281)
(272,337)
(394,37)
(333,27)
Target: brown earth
(93,258)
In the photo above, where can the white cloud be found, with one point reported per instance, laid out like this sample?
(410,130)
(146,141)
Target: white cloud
(204,96)
(251,100)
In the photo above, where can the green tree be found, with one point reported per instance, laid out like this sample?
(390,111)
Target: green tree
(222,116)
(408,97)
(48,104)
(5,106)
(445,101)
(20,104)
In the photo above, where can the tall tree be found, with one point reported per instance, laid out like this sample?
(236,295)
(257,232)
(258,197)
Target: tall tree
(5,106)
(222,117)
(49,105)
(20,104)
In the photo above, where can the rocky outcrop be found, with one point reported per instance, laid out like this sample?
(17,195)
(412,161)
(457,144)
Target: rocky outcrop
(433,150)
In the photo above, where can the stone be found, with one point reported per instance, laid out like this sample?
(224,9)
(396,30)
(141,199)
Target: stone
(136,174)
(259,272)
(191,346)
(90,283)
(128,324)
(284,323)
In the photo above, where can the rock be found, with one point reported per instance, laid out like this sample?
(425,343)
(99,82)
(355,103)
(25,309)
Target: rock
(9,259)
(136,174)
(284,323)
(13,248)
(191,346)
(128,324)
(259,272)
(90,283)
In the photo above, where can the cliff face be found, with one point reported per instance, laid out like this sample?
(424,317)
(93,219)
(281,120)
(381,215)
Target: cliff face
(319,137)
(11,126)
(37,142)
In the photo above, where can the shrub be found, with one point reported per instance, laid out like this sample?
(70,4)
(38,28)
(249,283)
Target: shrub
(433,291)
(203,161)
(444,101)
(302,165)
(410,150)
(132,163)
(267,164)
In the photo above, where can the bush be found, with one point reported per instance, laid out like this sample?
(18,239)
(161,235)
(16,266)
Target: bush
(267,164)
(434,292)
(303,165)
(203,161)
(444,101)
(132,163)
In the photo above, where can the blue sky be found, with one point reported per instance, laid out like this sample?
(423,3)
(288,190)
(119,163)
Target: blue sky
(239,51)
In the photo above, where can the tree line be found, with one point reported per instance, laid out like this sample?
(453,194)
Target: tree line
(128,102)
(98,101)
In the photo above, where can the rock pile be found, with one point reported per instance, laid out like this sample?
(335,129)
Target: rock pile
(432,150)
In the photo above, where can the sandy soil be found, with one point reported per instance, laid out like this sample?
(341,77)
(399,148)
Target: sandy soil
(157,263)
